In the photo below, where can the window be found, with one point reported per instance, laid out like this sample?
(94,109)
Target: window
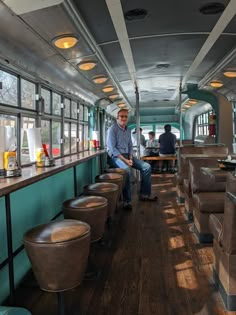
(27,123)
(81,112)
(66,138)
(9,92)
(56,104)
(74,110)
(73,138)
(56,139)
(202,124)
(27,94)
(67,108)
(45,134)
(46,95)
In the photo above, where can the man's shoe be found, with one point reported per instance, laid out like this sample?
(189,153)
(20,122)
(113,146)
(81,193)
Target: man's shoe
(148,198)
(127,205)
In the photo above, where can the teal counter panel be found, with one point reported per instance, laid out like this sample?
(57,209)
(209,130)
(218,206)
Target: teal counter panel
(3,231)
(4,280)
(39,203)
(21,266)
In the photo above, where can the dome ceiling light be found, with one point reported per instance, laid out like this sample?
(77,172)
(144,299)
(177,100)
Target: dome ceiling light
(216,84)
(65,41)
(230,74)
(108,88)
(99,79)
(87,65)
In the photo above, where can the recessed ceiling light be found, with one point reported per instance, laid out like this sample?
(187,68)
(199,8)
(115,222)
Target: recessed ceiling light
(230,74)
(99,79)
(187,105)
(163,65)
(216,83)
(121,104)
(113,96)
(65,41)
(212,8)
(136,14)
(87,65)
(192,101)
(108,88)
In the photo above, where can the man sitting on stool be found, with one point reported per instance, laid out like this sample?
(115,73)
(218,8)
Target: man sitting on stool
(167,142)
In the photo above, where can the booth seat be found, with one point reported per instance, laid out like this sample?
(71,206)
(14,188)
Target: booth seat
(188,197)
(183,162)
(224,246)
(208,197)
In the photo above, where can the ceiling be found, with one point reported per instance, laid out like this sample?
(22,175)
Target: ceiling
(155,56)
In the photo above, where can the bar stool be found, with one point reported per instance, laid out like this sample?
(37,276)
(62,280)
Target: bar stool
(107,190)
(118,170)
(90,209)
(58,252)
(114,178)
(7,310)
(93,210)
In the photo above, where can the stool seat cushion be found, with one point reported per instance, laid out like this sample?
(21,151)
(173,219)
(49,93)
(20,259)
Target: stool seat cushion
(58,231)
(110,176)
(85,203)
(102,187)
(7,310)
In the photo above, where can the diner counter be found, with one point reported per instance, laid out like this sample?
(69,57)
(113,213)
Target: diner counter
(33,174)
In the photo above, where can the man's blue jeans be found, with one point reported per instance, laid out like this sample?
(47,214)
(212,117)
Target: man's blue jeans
(145,170)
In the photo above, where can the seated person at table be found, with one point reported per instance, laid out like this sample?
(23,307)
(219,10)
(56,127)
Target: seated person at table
(167,141)
(152,148)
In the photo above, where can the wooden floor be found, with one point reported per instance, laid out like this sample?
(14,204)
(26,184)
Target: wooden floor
(154,266)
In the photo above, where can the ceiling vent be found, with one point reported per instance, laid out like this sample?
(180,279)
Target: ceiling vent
(135,14)
(212,8)
(162,65)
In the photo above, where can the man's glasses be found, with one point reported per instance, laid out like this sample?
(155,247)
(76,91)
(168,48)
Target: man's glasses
(123,116)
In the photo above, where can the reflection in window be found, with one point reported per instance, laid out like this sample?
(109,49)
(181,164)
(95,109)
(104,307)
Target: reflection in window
(73,138)
(67,108)
(28,90)
(45,133)
(27,123)
(66,138)
(8,93)
(56,104)
(74,110)
(47,100)
(56,139)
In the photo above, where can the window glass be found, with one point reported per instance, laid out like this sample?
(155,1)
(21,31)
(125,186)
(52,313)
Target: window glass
(66,138)
(56,139)
(56,104)
(74,110)
(81,144)
(85,113)
(9,92)
(67,108)
(27,123)
(28,90)
(10,125)
(73,138)
(45,133)
(86,137)
(81,112)
(47,100)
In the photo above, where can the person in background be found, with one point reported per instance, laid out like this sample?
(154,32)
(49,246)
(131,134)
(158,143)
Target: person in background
(152,146)
(120,150)
(167,141)
(142,141)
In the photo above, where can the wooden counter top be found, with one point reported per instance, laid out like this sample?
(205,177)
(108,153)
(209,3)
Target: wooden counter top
(33,174)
